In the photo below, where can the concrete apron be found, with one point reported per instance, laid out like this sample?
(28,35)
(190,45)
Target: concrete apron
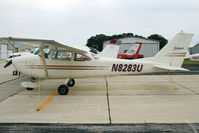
(131,99)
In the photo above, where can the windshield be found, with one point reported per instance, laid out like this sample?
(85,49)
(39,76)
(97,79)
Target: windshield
(35,51)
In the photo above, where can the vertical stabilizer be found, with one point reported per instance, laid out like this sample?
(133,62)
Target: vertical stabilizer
(110,51)
(174,52)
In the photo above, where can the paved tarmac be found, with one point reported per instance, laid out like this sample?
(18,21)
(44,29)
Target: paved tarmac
(131,103)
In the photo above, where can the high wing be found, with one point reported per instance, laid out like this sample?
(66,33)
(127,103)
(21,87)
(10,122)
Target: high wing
(45,44)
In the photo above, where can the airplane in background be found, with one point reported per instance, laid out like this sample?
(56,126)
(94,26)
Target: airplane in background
(132,53)
(70,63)
(193,57)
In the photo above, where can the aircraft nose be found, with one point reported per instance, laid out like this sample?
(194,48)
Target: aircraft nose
(18,63)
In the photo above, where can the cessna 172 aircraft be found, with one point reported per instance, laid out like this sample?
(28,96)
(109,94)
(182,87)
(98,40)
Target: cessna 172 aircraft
(71,63)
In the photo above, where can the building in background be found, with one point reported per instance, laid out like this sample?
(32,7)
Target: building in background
(8,47)
(194,49)
(149,47)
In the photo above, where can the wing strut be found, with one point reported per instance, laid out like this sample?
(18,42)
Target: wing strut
(43,59)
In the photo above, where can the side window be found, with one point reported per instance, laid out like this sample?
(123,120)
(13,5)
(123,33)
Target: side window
(81,57)
(62,55)
(47,52)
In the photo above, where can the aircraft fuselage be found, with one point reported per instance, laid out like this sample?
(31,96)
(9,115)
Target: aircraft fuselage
(32,66)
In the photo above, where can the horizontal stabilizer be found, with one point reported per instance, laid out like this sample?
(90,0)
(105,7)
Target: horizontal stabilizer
(170,68)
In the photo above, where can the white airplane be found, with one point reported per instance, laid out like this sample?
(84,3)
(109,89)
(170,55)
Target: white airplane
(193,57)
(71,63)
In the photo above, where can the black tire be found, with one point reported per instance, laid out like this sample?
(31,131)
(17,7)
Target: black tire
(29,89)
(63,90)
(71,83)
(14,72)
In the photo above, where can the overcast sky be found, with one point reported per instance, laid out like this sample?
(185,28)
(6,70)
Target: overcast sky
(72,22)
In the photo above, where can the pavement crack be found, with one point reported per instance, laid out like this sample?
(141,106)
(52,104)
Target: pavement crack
(108,102)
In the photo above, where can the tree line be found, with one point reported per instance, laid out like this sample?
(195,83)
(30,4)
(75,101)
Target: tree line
(98,40)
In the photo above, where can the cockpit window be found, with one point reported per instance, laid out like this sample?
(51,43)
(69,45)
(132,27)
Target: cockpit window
(62,55)
(37,52)
(81,57)
(32,51)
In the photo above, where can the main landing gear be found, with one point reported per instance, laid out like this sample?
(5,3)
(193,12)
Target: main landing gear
(71,83)
(63,89)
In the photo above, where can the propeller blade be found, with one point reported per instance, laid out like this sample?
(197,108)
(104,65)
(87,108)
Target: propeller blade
(7,64)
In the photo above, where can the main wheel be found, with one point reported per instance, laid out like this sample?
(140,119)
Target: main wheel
(63,90)
(29,89)
(71,83)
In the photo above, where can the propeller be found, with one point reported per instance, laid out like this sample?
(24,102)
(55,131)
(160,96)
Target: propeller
(7,64)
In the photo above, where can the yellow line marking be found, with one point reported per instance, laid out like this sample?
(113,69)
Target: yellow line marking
(54,94)
(47,101)
(140,89)
(90,89)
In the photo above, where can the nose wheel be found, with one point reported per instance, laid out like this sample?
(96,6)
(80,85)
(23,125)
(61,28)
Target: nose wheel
(14,72)
(63,90)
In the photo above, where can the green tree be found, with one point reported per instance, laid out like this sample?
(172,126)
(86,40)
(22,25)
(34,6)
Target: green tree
(97,41)
(159,38)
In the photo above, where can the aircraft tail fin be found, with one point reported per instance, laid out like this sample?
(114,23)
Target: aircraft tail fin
(110,51)
(174,52)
